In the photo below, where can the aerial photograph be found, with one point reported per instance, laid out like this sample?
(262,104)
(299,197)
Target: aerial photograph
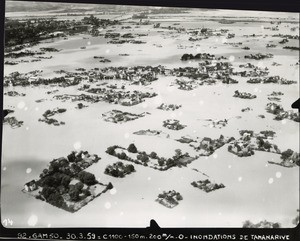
(115,115)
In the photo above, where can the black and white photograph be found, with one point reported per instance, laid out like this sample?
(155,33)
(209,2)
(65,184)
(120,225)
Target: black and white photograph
(115,115)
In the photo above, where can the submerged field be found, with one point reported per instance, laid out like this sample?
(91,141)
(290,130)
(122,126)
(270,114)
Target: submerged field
(254,189)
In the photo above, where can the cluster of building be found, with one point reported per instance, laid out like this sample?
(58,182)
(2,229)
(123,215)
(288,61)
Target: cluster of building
(173,124)
(117,116)
(281,114)
(169,199)
(207,186)
(243,95)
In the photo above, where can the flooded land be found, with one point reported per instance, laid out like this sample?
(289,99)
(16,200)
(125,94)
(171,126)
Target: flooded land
(127,114)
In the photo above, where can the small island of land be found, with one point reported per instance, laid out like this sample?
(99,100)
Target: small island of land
(65,184)
(169,199)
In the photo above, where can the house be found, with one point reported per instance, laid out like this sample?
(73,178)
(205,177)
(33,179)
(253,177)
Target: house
(32,79)
(205,143)
(30,186)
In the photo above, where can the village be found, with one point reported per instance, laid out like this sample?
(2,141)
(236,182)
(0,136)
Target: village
(65,184)
(184,109)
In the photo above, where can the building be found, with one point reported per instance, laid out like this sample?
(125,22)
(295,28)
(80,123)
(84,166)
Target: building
(30,186)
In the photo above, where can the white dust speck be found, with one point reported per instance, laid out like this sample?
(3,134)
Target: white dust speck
(266,165)
(190,62)
(98,179)
(107,205)
(149,178)
(201,102)
(89,43)
(198,49)
(215,155)
(231,58)
(271,180)
(4,169)
(126,135)
(32,220)
(113,191)
(206,158)
(278,174)
(26,108)
(255,90)
(36,108)
(173,115)
(121,213)
(28,170)
(27,128)
(240,179)
(283,122)
(49,225)
(107,51)
(21,105)
(229,166)
(77,145)
(220,214)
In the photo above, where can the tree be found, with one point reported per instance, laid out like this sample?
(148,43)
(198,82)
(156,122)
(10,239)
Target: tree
(47,191)
(65,181)
(178,196)
(76,168)
(247,224)
(286,154)
(153,155)
(110,150)
(79,186)
(130,168)
(143,157)
(56,199)
(110,186)
(54,167)
(132,148)
(86,192)
(74,194)
(63,162)
(161,162)
(122,156)
(87,178)
(48,181)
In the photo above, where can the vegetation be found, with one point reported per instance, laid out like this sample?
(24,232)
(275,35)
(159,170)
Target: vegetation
(32,31)
(169,199)
(119,169)
(65,182)
(207,186)
(132,148)
(261,224)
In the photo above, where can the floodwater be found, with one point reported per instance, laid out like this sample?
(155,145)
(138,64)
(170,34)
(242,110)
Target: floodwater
(255,190)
